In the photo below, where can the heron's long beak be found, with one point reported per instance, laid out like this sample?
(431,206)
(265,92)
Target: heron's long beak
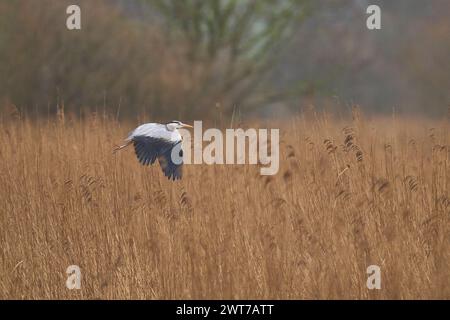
(187,125)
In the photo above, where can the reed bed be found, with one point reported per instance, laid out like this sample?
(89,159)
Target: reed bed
(349,194)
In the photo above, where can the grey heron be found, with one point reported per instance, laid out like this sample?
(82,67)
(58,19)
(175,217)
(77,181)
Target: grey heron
(158,141)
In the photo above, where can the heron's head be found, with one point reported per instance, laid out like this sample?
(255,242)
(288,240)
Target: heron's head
(172,125)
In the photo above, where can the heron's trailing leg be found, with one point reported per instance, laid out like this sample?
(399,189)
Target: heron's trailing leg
(117,148)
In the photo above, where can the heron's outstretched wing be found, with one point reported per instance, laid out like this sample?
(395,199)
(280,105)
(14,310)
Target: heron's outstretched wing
(169,154)
(148,148)
(171,162)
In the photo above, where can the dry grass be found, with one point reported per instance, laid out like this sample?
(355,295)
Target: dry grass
(225,231)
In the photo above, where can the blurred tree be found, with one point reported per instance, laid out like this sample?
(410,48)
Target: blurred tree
(205,53)
(231,46)
(113,62)
(182,59)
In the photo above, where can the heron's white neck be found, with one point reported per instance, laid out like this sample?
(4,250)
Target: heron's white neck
(171,126)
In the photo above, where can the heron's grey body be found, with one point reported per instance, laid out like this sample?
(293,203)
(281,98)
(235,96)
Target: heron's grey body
(159,141)
(156,130)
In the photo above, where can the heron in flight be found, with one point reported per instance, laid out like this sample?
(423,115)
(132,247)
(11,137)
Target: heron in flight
(159,141)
